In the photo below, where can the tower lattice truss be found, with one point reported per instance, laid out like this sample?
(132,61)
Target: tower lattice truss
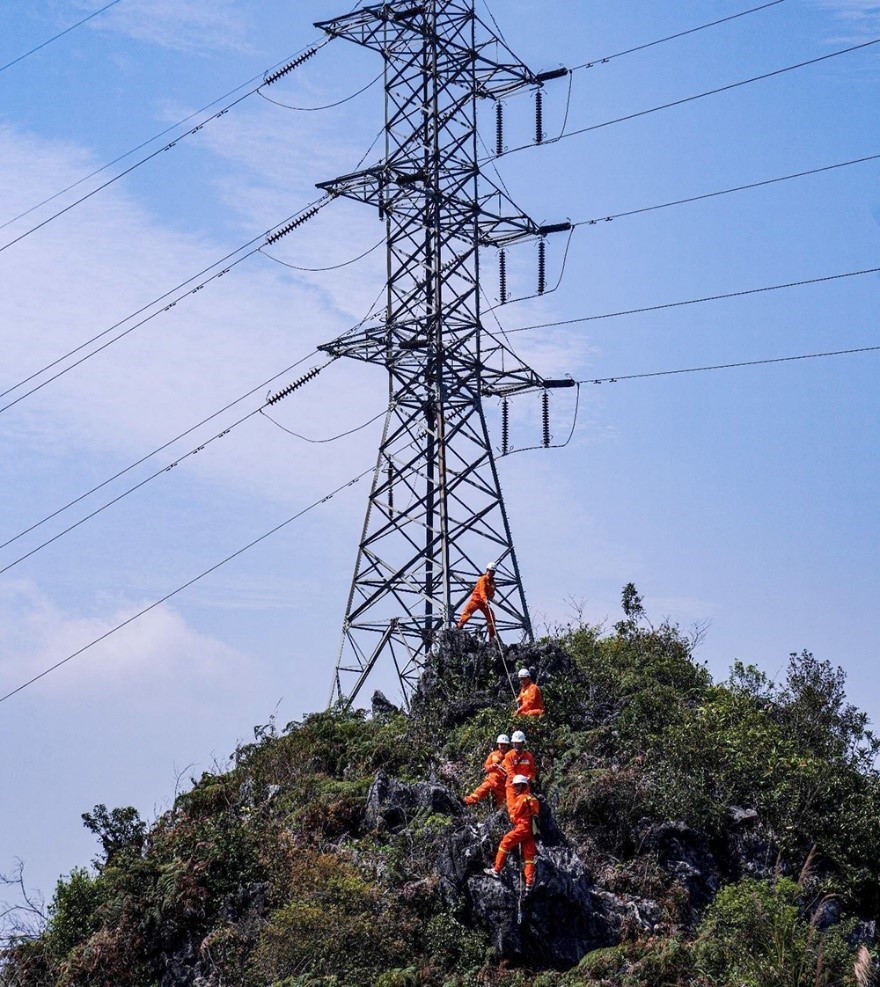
(436,514)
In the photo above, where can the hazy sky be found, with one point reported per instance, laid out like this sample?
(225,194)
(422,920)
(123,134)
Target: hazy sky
(746,499)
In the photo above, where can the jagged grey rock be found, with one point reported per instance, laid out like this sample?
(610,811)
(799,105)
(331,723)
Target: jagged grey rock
(685,855)
(381,706)
(554,925)
(393,804)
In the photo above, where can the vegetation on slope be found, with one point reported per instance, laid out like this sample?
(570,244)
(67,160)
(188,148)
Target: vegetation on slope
(268,875)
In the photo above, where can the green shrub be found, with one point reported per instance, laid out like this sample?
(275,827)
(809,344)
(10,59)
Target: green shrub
(755,934)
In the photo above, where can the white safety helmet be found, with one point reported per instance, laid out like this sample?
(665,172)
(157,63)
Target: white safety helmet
(524,673)
(520,780)
(502,739)
(518,737)
(490,567)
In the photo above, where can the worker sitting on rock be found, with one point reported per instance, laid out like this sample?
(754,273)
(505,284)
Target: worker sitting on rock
(518,761)
(496,777)
(529,702)
(523,817)
(482,595)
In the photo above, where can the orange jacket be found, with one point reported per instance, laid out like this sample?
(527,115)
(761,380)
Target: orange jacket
(525,807)
(519,763)
(494,760)
(484,591)
(529,702)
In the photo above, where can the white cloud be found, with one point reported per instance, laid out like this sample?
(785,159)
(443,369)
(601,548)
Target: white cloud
(185,25)
(159,651)
(861,17)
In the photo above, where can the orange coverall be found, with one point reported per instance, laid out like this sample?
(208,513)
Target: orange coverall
(530,702)
(517,763)
(483,593)
(525,808)
(494,783)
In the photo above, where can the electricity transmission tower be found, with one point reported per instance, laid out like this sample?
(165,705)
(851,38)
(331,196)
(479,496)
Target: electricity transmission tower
(436,514)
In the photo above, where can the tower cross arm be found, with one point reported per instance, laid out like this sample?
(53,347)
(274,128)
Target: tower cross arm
(378,26)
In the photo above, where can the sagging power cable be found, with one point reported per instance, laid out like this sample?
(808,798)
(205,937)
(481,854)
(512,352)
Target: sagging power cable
(155,452)
(166,469)
(329,438)
(331,267)
(325,106)
(60,34)
(696,301)
(673,37)
(691,99)
(176,294)
(726,191)
(730,366)
(165,445)
(187,584)
(267,79)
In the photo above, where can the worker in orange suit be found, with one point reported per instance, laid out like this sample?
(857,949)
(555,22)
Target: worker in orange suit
(529,702)
(495,782)
(523,817)
(480,599)
(518,761)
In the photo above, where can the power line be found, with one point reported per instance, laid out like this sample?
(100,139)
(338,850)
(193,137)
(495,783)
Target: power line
(730,366)
(164,469)
(55,37)
(331,267)
(155,452)
(143,144)
(268,80)
(690,99)
(696,301)
(326,106)
(282,229)
(177,438)
(331,438)
(186,585)
(727,191)
(673,37)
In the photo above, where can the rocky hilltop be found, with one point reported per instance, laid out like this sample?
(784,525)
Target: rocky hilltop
(692,833)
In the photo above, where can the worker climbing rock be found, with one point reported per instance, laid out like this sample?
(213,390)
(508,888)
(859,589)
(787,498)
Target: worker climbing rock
(524,819)
(529,702)
(518,762)
(480,599)
(495,782)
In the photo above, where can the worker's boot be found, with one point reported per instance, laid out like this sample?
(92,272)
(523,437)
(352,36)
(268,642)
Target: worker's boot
(491,872)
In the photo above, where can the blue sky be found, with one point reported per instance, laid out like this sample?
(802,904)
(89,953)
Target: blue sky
(743,499)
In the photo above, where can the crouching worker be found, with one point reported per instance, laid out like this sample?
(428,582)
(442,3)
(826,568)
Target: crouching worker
(529,702)
(495,782)
(524,819)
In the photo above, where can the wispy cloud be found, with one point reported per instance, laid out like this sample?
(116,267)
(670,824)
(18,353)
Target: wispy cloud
(185,25)
(153,653)
(861,18)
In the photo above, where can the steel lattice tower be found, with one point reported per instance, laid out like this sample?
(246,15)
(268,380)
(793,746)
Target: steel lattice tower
(436,514)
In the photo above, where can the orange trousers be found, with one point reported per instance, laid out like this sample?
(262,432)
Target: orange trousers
(472,607)
(520,835)
(494,784)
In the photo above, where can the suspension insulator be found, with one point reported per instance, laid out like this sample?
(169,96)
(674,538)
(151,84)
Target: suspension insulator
(505,426)
(390,469)
(539,117)
(502,276)
(289,67)
(542,266)
(306,377)
(499,128)
(545,418)
(292,225)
